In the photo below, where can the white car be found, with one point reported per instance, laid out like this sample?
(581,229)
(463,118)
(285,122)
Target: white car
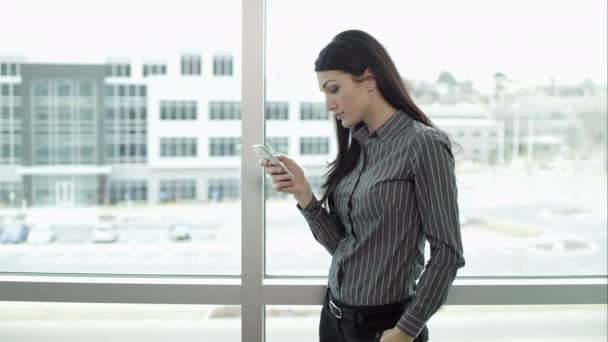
(180,232)
(105,232)
(42,233)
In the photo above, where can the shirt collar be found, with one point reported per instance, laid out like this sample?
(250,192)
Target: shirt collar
(387,130)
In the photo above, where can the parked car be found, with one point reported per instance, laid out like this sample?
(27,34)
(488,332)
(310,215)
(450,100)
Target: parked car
(42,233)
(180,232)
(14,233)
(105,232)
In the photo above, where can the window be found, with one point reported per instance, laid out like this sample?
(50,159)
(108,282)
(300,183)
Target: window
(178,110)
(10,194)
(224,110)
(277,111)
(224,146)
(313,111)
(9,69)
(120,69)
(10,124)
(223,189)
(126,123)
(60,133)
(222,65)
(154,69)
(178,147)
(526,240)
(279,144)
(177,190)
(128,190)
(191,65)
(314,145)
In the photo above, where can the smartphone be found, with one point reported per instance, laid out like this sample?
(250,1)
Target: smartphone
(266,152)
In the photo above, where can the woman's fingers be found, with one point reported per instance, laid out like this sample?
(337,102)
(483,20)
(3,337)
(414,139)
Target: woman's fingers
(282,185)
(274,170)
(281,177)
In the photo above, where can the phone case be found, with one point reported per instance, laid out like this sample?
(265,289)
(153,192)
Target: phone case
(266,152)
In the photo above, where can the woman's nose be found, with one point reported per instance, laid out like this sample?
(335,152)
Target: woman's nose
(330,106)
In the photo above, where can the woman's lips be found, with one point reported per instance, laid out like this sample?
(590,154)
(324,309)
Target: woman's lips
(339,116)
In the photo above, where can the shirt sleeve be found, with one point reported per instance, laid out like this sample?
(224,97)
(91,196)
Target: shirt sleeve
(436,195)
(326,228)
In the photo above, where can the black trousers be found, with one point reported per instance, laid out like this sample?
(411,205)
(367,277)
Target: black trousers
(359,324)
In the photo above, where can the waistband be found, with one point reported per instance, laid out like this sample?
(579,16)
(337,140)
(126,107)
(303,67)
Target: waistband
(386,308)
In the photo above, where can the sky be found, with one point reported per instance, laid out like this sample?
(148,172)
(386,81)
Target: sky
(530,41)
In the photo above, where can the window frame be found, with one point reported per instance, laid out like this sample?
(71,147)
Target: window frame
(253,290)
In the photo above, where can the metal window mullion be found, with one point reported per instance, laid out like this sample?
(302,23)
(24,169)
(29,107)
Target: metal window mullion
(282,291)
(252,132)
(146,291)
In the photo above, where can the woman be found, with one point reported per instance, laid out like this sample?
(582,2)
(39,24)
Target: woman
(391,188)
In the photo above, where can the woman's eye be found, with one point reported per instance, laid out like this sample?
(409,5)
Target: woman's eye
(333,90)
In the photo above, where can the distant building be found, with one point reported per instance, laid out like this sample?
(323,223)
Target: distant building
(157,131)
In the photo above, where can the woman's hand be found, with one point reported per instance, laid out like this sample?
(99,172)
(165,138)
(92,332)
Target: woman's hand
(283,182)
(395,335)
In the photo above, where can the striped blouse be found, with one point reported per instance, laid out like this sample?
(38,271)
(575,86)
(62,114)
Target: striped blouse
(401,194)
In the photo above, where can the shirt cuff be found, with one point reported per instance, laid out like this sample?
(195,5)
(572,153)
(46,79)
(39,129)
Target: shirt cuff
(411,324)
(312,210)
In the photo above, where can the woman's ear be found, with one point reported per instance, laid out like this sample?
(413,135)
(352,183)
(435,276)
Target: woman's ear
(370,80)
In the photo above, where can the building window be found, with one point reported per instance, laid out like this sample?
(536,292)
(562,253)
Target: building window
(224,146)
(10,194)
(314,145)
(224,110)
(128,190)
(178,147)
(177,189)
(221,189)
(277,111)
(5,89)
(64,122)
(178,110)
(279,144)
(222,66)
(191,65)
(120,69)
(126,123)
(9,69)
(154,69)
(313,111)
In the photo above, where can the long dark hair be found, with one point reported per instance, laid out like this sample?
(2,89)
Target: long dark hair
(352,52)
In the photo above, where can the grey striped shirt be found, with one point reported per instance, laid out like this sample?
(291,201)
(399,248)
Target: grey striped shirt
(401,194)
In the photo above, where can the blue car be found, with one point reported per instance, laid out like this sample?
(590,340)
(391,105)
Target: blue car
(14,233)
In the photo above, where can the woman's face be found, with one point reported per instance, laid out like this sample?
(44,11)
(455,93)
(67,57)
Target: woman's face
(348,100)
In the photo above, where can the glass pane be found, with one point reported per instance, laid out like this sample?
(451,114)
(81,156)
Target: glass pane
(586,323)
(38,322)
(91,199)
(528,134)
